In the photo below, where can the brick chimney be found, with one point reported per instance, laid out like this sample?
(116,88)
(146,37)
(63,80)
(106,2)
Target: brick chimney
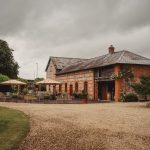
(111,49)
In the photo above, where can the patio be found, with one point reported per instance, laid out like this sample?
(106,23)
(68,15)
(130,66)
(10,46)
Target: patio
(36,95)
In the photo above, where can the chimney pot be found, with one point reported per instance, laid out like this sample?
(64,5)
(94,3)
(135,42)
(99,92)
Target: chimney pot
(111,49)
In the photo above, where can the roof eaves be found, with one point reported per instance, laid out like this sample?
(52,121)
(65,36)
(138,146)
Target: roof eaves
(65,72)
(50,59)
(47,64)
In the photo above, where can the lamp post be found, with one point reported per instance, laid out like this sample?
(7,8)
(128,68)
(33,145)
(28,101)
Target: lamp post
(36,70)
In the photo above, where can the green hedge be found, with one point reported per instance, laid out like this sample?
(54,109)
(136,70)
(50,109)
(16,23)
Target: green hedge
(130,97)
(50,97)
(80,95)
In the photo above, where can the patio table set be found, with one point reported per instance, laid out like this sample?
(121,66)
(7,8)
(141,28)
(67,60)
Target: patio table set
(37,96)
(29,97)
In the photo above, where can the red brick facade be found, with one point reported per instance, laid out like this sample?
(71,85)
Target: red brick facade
(76,80)
(79,78)
(138,71)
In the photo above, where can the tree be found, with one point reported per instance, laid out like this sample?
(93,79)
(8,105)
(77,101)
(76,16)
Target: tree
(4,88)
(143,87)
(22,80)
(3,78)
(38,79)
(8,66)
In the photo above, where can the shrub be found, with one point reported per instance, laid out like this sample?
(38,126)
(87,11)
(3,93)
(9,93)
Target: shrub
(3,78)
(46,97)
(52,97)
(122,97)
(130,97)
(143,87)
(82,95)
(25,91)
(76,95)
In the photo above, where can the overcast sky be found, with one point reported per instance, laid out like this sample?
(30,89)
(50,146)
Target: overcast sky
(38,29)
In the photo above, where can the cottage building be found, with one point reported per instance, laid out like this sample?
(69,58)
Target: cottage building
(101,77)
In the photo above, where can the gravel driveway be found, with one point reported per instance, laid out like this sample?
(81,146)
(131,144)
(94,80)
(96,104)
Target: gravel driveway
(110,126)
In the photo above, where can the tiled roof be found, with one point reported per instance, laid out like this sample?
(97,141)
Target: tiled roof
(131,58)
(122,57)
(61,62)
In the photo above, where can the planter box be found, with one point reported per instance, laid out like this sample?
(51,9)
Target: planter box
(84,101)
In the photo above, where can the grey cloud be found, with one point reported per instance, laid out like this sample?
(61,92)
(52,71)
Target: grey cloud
(133,14)
(37,29)
(12,15)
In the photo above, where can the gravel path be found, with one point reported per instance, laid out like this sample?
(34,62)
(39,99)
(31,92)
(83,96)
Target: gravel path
(111,126)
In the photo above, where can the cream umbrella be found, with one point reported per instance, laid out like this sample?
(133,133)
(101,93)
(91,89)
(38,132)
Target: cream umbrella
(13,82)
(49,82)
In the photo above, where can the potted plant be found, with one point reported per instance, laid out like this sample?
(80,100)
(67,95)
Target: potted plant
(84,97)
(52,97)
(76,95)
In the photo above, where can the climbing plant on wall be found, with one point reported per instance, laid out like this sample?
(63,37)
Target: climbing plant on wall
(125,74)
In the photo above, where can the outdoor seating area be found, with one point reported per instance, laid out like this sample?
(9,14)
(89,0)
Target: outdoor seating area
(22,92)
(10,97)
(45,98)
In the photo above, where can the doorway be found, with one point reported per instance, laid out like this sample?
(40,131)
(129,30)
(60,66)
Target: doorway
(106,90)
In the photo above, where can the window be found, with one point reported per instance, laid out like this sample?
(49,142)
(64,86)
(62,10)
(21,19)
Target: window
(76,87)
(65,87)
(60,88)
(85,87)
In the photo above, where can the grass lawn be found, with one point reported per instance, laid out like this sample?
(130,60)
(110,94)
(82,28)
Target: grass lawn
(14,126)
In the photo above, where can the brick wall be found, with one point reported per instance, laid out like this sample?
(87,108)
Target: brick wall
(138,71)
(80,77)
(51,71)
